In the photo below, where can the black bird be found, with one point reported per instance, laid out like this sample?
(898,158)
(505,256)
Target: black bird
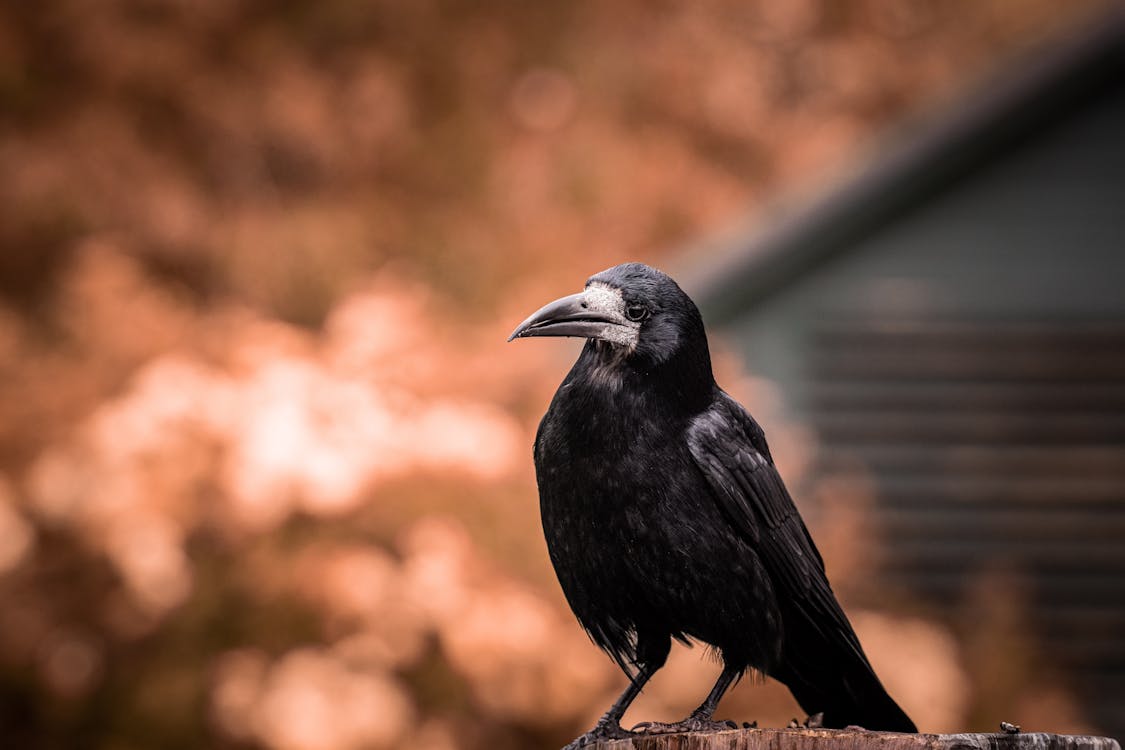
(665,516)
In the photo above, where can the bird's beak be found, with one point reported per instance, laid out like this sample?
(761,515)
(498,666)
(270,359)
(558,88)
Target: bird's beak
(596,313)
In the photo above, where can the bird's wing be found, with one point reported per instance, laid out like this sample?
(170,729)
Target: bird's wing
(730,449)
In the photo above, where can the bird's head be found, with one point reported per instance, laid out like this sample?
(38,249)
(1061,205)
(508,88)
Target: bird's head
(631,311)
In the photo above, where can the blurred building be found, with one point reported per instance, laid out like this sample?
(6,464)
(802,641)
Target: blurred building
(951,323)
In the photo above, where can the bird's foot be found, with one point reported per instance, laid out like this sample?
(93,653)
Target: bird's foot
(603,731)
(693,723)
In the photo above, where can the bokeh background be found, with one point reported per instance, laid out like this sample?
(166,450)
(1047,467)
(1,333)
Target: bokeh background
(265,471)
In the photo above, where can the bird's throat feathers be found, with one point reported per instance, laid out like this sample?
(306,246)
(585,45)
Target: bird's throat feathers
(683,381)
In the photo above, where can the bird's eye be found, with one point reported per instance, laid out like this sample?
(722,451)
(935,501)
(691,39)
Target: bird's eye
(636,313)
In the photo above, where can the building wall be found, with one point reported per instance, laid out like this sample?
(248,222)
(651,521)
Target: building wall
(1040,235)
(971,356)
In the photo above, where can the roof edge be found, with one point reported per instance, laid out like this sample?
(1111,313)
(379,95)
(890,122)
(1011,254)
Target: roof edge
(745,266)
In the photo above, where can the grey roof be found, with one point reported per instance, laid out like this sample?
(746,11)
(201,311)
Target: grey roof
(744,268)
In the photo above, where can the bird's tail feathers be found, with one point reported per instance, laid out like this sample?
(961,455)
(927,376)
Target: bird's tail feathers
(832,675)
(855,699)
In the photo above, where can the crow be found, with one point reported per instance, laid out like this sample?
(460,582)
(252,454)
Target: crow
(665,517)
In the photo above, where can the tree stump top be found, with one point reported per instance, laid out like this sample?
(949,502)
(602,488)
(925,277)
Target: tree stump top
(843,739)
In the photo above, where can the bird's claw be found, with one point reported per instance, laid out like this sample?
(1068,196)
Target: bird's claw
(601,731)
(690,724)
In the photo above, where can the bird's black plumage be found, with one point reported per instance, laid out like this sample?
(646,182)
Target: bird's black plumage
(665,516)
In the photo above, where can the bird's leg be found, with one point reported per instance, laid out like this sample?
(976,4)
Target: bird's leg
(707,709)
(700,719)
(609,726)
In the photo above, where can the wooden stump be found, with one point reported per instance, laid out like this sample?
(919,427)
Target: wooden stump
(837,739)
